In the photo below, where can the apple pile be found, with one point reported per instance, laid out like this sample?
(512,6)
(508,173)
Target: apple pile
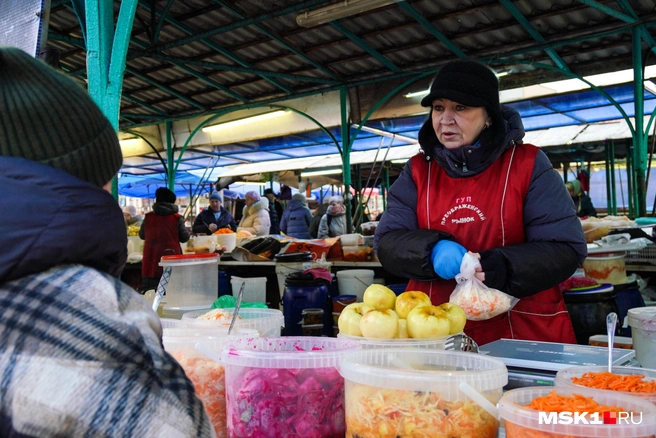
(383,315)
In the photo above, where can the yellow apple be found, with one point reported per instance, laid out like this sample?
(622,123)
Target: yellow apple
(457,317)
(379,297)
(403,329)
(409,300)
(428,322)
(380,323)
(349,319)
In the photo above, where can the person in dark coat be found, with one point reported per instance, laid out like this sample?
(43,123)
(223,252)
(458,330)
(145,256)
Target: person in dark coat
(296,218)
(275,211)
(316,219)
(582,202)
(477,188)
(213,218)
(162,231)
(81,351)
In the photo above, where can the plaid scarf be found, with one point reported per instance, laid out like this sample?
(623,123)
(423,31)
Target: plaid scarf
(81,356)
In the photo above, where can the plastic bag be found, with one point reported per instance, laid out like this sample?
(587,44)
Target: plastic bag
(477,300)
(229,302)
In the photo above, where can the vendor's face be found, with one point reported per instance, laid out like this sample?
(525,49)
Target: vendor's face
(215,204)
(458,125)
(249,201)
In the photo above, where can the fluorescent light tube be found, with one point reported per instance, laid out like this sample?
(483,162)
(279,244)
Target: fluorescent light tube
(401,161)
(322,172)
(416,94)
(131,142)
(252,119)
(343,9)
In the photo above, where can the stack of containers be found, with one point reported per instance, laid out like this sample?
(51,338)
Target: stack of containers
(193,285)
(621,415)
(284,387)
(207,375)
(266,321)
(421,392)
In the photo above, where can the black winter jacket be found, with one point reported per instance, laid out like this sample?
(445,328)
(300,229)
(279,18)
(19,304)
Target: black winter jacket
(206,217)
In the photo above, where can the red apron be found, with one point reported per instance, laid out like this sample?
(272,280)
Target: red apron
(485,212)
(161,238)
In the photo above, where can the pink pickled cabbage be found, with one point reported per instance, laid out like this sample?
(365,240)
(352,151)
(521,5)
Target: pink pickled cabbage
(284,403)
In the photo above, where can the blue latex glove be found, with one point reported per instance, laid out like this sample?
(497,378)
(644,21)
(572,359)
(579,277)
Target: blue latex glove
(447,257)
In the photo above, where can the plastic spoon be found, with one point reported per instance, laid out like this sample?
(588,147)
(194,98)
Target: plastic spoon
(611,323)
(161,287)
(478,398)
(240,296)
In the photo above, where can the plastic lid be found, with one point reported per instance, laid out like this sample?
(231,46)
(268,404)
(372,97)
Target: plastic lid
(287,352)
(607,256)
(643,318)
(309,311)
(426,370)
(190,257)
(512,411)
(435,343)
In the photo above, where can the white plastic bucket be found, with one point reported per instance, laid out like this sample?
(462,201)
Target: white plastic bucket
(194,279)
(227,240)
(354,282)
(284,269)
(643,330)
(254,291)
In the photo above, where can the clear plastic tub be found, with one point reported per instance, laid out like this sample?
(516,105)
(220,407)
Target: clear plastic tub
(606,267)
(416,392)
(521,422)
(171,312)
(283,387)
(436,343)
(369,228)
(254,288)
(564,379)
(194,280)
(643,331)
(266,321)
(207,375)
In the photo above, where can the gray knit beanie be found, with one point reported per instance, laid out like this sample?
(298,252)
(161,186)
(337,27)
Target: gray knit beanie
(47,117)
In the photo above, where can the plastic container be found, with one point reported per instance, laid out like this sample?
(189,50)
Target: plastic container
(312,330)
(312,316)
(135,245)
(202,244)
(229,241)
(618,342)
(207,375)
(341,301)
(606,267)
(643,331)
(523,422)
(588,310)
(366,343)
(178,312)
(564,379)
(354,282)
(254,291)
(369,228)
(416,392)
(194,280)
(285,387)
(351,239)
(266,321)
(359,253)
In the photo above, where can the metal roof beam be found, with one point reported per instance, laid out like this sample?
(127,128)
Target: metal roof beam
(534,33)
(644,33)
(161,20)
(609,11)
(210,82)
(278,40)
(240,24)
(164,88)
(364,46)
(432,29)
(144,104)
(210,44)
(216,66)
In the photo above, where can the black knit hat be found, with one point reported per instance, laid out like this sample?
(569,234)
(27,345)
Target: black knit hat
(47,117)
(466,82)
(165,195)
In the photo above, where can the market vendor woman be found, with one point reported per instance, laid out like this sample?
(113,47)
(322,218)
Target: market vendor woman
(476,187)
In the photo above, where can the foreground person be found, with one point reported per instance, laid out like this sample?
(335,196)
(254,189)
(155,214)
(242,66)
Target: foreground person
(80,352)
(477,188)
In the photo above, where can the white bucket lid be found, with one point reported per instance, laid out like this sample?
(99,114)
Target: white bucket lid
(643,318)
(426,370)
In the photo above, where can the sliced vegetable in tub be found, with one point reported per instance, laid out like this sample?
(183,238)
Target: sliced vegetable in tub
(477,300)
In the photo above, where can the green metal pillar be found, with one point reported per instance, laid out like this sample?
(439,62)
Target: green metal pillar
(629,182)
(107,48)
(608,158)
(385,184)
(170,168)
(639,140)
(613,188)
(358,214)
(346,155)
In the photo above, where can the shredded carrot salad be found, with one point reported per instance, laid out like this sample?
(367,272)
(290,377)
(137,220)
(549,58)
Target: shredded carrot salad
(208,378)
(380,412)
(616,382)
(557,403)
(224,231)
